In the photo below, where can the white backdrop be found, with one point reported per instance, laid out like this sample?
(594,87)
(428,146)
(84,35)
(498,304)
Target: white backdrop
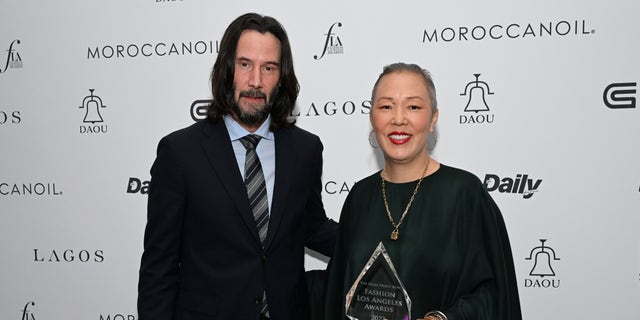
(87,88)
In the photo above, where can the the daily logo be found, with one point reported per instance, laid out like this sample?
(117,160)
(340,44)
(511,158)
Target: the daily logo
(27,312)
(620,95)
(136,185)
(476,108)
(92,121)
(542,274)
(332,42)
(13,61)
(521,184)
(511,31)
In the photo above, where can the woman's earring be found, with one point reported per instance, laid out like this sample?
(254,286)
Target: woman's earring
(372,140)
(432,141)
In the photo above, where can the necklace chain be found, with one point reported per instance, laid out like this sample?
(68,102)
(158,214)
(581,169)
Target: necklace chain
(395,233)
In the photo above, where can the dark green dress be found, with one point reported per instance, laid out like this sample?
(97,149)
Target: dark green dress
(452,254)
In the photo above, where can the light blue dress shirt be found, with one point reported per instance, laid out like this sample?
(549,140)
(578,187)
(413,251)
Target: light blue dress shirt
(266,150)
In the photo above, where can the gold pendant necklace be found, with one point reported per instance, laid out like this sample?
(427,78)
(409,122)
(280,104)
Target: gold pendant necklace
(395,233)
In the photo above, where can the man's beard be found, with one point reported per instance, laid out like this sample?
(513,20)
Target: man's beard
(258,115)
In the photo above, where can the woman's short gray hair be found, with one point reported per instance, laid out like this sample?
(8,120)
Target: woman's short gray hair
(410,67)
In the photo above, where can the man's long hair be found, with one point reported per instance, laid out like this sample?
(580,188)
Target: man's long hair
(285,94)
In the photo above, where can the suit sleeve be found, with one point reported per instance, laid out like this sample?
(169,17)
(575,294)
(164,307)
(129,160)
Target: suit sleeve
(321,231)
(158,278)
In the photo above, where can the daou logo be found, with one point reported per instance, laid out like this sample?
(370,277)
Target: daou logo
(93,121)
(476,108)
(542,273)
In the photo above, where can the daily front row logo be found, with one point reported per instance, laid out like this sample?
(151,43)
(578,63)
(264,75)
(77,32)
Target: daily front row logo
(521,184)
(92,121)
(476,109)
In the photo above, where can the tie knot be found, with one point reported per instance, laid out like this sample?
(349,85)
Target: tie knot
(250,141)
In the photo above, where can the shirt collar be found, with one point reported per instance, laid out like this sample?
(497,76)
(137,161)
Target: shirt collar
(236,131)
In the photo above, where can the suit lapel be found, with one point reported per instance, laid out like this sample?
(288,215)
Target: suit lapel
(285,161)
(217,147)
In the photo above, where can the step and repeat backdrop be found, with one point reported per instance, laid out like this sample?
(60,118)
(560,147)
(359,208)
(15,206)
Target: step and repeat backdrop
(537,98)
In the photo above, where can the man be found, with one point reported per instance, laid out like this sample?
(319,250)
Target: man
(205,256)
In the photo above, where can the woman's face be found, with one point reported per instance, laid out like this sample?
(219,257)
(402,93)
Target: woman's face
(402,118)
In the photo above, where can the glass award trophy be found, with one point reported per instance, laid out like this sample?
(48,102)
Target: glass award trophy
(378,293)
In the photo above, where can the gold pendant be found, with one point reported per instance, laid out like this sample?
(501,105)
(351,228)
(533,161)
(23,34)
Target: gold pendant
(394,234)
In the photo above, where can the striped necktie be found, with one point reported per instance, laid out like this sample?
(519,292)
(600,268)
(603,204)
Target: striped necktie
(256,187)
(257,192)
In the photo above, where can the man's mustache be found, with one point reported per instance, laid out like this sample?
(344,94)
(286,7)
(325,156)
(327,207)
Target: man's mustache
(253,93)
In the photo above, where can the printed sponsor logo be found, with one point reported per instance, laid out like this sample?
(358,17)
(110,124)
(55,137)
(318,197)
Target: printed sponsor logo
(511,31)
(620,95)
(14,60)
(93,120)
(29,189)
(117,316)
(136,185)
(334,108)
(10,117)
(521,184)
(476,108)
(542,274)
(147,50)
(198,109)
(68,255)
(332,42)
(332,187)
(27,311)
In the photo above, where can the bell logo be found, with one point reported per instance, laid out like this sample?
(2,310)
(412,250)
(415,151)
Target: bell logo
(476,92)
(92,105)
(542,257)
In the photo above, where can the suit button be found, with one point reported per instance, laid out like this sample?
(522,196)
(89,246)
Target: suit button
(258,300)
(264,259)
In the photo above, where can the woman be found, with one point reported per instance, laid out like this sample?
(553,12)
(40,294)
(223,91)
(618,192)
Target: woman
(443,233)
